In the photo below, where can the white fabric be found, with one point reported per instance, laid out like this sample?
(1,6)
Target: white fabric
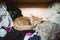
(6,19)
(3,32)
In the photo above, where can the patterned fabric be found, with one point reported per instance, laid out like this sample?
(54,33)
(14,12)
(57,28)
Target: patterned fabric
(35,37)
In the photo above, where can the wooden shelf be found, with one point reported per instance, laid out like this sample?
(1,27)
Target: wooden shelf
(29,3)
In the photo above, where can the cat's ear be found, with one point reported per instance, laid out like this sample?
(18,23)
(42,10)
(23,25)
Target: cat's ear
(31,18)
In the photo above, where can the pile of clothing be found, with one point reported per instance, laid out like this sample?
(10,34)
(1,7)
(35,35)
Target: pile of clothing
(7,32)
(50,30)
(47,30)
(6,22)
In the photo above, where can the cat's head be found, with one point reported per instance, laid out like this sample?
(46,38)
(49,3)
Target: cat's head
(35,20)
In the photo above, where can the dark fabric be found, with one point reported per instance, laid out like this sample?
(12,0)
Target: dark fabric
(1,38)
(35,37)
(16,35)
(2,0)
(15,12)
(57,36)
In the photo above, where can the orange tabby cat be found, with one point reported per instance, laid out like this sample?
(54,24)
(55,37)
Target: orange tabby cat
(26,23)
